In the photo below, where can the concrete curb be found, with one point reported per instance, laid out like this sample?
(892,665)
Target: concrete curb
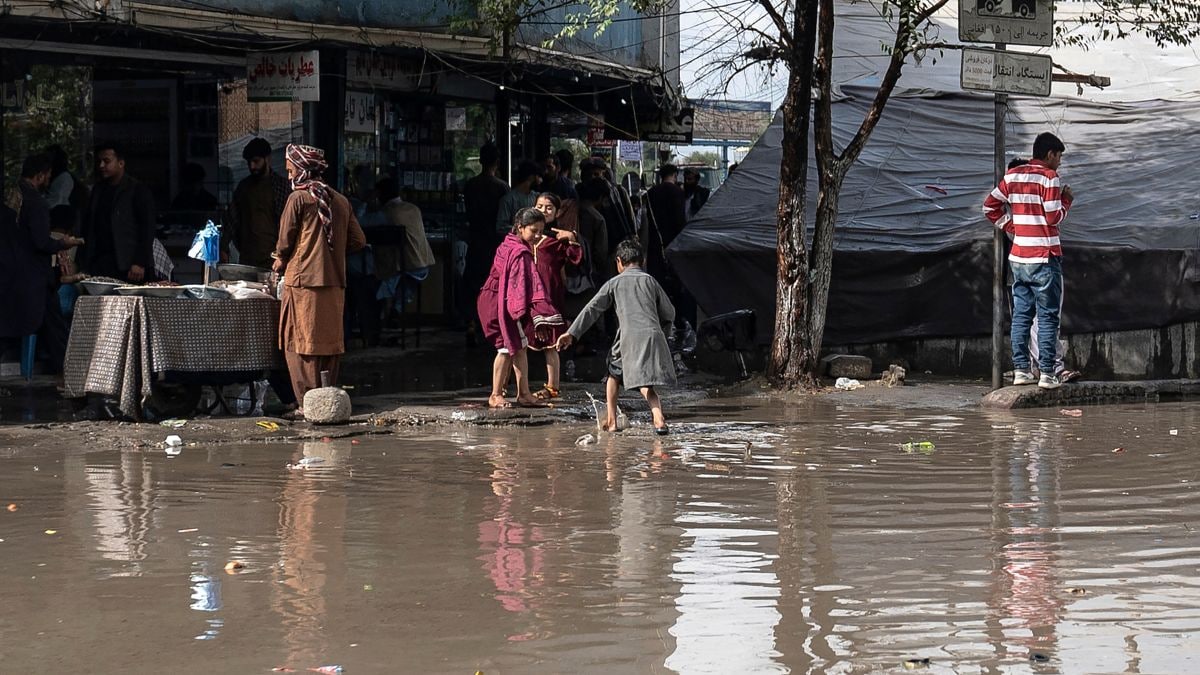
(1090,393)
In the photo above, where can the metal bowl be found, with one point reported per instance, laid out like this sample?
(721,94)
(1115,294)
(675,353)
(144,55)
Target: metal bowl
(202,292)
(99,287)
(151,291)
(232,272)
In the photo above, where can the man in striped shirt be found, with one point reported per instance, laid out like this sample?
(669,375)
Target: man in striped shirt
(1028,204)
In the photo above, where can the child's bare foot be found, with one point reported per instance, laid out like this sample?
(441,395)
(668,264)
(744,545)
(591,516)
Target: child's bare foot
(498,402)
(610,425)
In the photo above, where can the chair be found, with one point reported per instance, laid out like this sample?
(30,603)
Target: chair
(28,354)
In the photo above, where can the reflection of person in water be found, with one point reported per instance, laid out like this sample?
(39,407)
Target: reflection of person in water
(1026,598)
(513,557)
(300,577)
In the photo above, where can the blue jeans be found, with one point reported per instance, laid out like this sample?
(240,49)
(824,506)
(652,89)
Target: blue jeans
(1037,295)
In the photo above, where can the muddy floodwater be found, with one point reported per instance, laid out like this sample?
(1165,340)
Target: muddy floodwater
(1018,542)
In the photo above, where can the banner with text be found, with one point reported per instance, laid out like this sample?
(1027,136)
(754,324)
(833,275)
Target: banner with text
(283,76)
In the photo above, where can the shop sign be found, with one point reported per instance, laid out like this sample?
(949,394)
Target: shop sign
(668,128)
(283,76)
(595,138)
(360,112)
(22,97)
(630,151)
(383,71)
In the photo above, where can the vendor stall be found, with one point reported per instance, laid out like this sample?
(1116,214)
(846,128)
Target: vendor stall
(125,347)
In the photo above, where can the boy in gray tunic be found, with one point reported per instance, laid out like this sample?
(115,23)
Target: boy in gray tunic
(640,357)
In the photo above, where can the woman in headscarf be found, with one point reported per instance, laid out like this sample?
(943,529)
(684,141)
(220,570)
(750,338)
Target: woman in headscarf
(507,304)
(316,231)
(558,246)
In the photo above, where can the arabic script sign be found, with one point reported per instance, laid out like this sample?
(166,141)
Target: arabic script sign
(360,112)
(1010,72)
(283,76)
(668,128)
(1015,22)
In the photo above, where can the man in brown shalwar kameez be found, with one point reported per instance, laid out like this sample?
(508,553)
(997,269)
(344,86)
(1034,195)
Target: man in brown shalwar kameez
(316,231)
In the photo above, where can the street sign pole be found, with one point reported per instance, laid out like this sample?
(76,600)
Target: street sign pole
(998,300)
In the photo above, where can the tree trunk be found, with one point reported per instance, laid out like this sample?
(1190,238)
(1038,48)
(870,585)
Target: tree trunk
(822,254)
(792,359)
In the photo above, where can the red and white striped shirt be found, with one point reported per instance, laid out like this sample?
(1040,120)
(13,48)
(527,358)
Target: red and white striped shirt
(1029,204)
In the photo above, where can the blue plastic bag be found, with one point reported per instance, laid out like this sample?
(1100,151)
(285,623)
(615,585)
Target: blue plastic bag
(207,245)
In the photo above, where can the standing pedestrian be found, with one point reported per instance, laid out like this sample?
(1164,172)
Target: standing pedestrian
(1029,203)
(27,268)
(521,196)
(119,224)
(254,213)
(316,231)
(552,252)
(481,198)
(1060,363)
(563,186)
(695,194)
(506,307)
(666,216)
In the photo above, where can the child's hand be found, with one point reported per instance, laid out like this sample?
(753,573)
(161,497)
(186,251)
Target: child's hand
(564,341)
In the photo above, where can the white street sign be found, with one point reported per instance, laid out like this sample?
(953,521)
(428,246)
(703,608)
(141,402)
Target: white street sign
(1009,72)
(1014,22)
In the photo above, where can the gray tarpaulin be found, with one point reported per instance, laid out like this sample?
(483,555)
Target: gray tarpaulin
(912,250)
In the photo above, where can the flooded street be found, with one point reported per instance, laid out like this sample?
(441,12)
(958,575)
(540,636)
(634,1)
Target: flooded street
(779,539)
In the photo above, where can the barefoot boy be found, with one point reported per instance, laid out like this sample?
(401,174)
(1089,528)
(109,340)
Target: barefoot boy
(640,358)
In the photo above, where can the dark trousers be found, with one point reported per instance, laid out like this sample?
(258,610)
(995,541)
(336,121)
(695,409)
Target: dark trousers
(53,335)
(362,309)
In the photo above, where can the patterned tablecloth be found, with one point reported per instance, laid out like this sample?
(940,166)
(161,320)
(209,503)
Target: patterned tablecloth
(119,343)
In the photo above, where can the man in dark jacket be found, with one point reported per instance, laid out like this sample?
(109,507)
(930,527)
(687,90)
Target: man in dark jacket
(257,205)
(695,193)
(26,260)
(119,224)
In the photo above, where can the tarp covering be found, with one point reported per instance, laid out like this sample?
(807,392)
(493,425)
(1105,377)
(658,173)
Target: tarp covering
(913,250)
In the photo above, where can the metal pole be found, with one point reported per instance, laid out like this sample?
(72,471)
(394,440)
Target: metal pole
(998,299)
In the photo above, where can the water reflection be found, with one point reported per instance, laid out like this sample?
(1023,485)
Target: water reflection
(1025,602)
(306,513)
(512,553)
(123,503)
(827,548)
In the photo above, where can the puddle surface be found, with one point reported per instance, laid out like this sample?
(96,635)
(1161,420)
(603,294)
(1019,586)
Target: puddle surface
(802,539)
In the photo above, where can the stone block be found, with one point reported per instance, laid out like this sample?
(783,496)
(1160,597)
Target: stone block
(846,365)
(327,405)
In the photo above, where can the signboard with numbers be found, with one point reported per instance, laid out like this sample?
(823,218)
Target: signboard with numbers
(1008,72)
(1014,22)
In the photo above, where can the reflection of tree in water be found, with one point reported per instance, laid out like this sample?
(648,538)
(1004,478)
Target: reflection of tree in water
(1024,604)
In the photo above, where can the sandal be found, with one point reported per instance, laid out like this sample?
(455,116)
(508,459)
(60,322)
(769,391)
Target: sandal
(1069,376)
(547,393)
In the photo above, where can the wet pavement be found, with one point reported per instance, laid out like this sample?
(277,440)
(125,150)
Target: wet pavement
(760,537)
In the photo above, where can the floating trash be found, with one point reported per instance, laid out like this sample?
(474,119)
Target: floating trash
(923,447)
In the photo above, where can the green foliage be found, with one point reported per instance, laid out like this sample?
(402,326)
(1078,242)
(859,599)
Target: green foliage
(500,19)
(1166,22)
(705,157)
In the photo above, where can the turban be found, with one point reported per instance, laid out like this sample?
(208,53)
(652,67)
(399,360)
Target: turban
(311,163)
